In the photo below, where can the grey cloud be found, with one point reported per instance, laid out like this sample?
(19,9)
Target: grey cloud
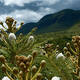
(33,10)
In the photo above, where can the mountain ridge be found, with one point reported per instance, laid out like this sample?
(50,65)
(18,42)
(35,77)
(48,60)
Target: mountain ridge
(58,21)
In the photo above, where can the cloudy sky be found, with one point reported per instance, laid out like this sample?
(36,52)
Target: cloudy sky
(34,10)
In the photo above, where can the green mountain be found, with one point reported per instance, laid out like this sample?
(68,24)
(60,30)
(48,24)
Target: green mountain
(59,21)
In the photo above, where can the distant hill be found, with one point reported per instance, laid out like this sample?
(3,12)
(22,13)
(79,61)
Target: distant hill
(59,21)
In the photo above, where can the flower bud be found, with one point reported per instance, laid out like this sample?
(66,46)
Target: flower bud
(39,76)
(15,22)
(2,59)
(79,42)
(5,78)
(9,19)
(1,22)
(21,58)
(68,45)
(21,34)
(17,57)
(43,63)
(74,39)
(27,64)
(22,23)
(57,46)
(34,69)
(68,54)
(22,65)
(29,57)
(34,54)
(77,38)
(60,55)
(3,68)
(48,45)
(31,39)
(25,59)
(15,70)
(21,73)
(12,36)
(75,45)
(65,49)
(56,78)
(18,62)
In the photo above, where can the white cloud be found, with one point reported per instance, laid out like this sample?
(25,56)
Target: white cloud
(47,2)
(50,2)
(22,2)
(17,2)
(44,11)
(23,15)
(27,15)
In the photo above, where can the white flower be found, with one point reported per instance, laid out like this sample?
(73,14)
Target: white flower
(60,55)
(31,38)
(55,78)
(5,78)
(12,36)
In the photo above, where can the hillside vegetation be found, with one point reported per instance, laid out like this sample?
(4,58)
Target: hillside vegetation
(59,21)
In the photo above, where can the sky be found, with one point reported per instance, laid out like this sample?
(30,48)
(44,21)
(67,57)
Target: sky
(33,10)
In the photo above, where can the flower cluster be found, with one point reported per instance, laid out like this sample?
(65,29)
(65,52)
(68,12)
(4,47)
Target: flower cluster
(23,62)
(12,44)
(24,69)
(11,23)
(73,52)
